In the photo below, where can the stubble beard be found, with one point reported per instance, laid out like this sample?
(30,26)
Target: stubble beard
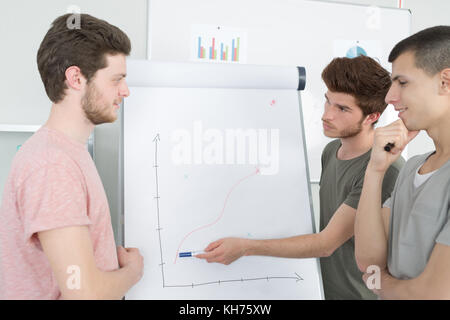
(95,110)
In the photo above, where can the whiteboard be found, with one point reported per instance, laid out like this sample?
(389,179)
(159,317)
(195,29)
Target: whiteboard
(213,151)
(289,33)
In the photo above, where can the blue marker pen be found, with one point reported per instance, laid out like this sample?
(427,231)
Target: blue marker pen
(188,254)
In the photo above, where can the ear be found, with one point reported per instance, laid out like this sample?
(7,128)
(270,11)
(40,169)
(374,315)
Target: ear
(371,118)
(444,86)
(74,78)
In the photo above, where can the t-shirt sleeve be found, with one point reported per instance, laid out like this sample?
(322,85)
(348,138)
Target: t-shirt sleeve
(389,180)
(444,236)
(324,159)
(352,199)
(53,196)
(321,167)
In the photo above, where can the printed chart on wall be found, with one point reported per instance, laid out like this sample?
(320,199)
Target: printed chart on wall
(231,163)
(219,44)
(355,48)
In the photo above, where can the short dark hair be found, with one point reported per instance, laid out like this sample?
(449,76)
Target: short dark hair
(431,48)
(85,47)
(363,78)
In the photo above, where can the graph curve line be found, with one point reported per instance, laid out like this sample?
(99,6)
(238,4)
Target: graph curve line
(257,171)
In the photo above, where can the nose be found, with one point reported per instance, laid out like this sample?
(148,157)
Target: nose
(392,97)
(327,113)
(124,90)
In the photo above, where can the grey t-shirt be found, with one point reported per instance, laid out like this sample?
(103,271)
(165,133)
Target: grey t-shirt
(420,217)
(341,182)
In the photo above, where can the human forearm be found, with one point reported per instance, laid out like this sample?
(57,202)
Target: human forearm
(227,250)
(115,284)
(395,289)
(370,234)
(338,230)
(432,283)
(303,246)
(420,288)
(101,285)
(70,253)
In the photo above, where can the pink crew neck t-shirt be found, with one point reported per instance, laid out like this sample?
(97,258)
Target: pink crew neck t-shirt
(53,183)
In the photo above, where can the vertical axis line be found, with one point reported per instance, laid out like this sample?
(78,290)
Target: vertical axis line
(157,207)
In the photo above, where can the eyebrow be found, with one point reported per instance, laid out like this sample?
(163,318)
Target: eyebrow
(122,75)
(396,77)
(339,105)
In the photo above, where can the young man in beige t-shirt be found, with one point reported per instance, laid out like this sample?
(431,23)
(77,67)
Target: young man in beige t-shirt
(56,236)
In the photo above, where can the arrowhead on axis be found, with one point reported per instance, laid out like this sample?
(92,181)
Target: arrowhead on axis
(298,277)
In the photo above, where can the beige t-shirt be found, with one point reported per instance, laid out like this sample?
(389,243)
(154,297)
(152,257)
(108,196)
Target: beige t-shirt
(53,183)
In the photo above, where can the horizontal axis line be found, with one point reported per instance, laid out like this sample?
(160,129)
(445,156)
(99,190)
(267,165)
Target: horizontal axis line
(232,280)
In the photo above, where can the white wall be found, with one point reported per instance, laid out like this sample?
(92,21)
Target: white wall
(23,24)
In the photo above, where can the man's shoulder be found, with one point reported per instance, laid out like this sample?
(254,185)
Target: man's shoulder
(331,148)
(419,158)
(39,153)
(409,166)
(402,169)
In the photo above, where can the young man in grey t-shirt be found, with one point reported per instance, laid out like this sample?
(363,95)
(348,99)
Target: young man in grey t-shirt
(354,102)
(408,241)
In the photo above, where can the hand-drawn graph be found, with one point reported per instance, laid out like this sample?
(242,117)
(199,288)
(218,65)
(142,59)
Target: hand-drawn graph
(157,197)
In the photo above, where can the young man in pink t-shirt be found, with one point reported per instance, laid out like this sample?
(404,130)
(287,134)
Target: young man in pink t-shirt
(56,237)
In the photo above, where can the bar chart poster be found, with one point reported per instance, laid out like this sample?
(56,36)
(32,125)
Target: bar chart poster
(210,43)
